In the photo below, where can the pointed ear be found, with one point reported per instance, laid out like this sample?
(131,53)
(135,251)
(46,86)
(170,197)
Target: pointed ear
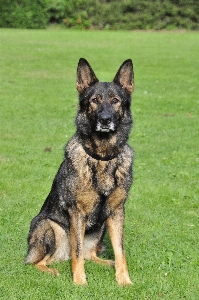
(85,75)
(125,76)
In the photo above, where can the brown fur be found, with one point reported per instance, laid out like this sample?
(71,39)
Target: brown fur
(91,186)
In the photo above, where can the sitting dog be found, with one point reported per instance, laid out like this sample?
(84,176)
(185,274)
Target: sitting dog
(91,186)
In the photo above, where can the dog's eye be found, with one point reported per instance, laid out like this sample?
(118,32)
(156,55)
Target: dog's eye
(94,100)
(114,101)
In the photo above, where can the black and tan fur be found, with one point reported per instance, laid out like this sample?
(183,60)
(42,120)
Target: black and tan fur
(91,186)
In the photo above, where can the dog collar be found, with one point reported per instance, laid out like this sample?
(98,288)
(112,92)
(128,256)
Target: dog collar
(98,157)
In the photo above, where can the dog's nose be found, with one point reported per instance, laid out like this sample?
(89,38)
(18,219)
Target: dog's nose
(105,119)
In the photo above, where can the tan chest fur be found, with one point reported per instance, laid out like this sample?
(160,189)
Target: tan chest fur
(95,178)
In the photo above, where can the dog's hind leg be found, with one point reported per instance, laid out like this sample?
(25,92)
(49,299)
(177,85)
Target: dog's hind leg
(43,267)
(96,259)
(93,246)
(42,246)
(41,264)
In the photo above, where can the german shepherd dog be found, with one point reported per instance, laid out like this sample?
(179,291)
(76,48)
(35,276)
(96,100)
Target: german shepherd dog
(90,188)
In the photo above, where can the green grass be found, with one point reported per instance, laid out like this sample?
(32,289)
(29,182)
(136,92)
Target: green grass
(38,105)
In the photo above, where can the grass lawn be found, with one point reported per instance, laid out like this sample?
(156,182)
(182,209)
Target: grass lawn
(38,103)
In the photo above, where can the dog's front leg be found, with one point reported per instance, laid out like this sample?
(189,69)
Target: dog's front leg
(77,231)
(115,224)
(115,228)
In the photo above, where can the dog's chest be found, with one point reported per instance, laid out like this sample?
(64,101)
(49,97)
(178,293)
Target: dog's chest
(103,176)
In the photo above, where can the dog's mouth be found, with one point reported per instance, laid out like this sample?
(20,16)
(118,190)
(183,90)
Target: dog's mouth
(105,128)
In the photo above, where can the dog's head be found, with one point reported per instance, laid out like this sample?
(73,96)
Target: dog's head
(103,105)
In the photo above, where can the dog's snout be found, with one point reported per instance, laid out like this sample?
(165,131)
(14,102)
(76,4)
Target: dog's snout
(105,119)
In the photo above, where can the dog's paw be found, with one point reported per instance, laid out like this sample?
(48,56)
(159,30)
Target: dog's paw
(80,279)
(105,262)
(54,271)
(44,268)
(123,279)
(110,263)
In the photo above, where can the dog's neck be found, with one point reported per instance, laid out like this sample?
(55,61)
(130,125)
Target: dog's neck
(99,157)
(103,146)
